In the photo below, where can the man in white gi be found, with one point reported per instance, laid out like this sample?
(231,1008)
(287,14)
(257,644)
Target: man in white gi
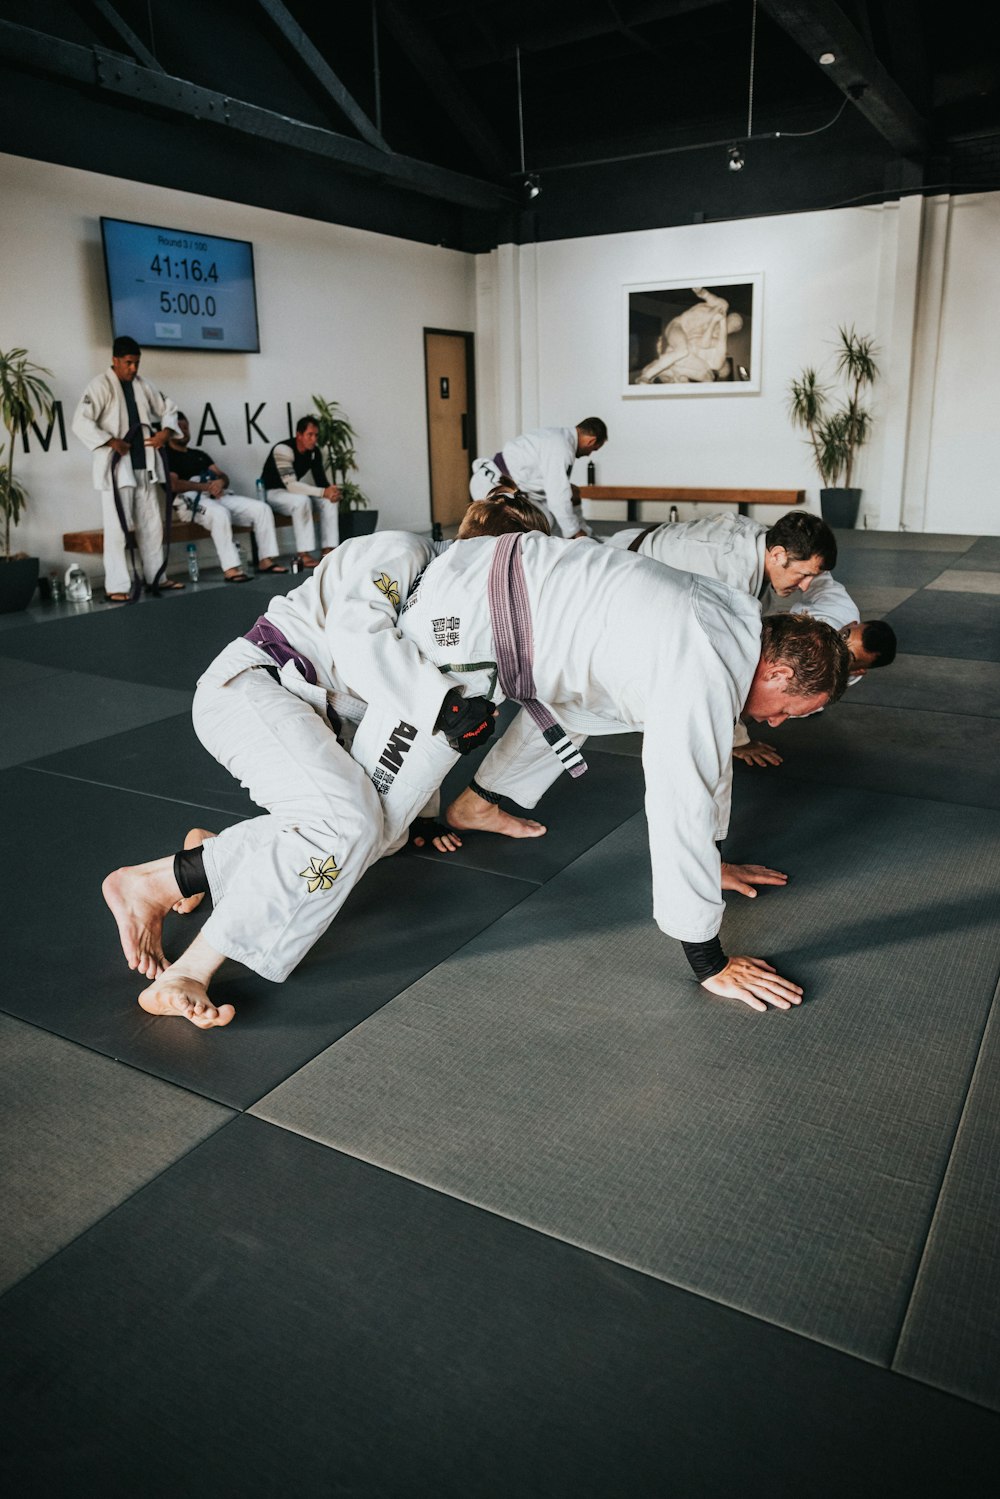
(201,494)
(539,464)
(296,484)
(766,563)
(114,419)
(279,708)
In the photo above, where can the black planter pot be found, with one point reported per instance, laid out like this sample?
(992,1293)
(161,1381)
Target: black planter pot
(839,507)
(357,523)
(18,581)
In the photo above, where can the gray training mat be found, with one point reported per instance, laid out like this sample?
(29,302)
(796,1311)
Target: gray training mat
(950,1334)
(890,569)
(565,1070)
(357,1334)
(72,977)
(938,622)
(67,708)
(934,684)
(943,756)
(90,1132)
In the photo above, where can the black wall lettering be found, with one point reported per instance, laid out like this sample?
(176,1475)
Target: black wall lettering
(211,431)
(251,422)
(45,438)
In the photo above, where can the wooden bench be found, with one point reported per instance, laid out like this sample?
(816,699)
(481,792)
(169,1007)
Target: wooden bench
(635,495)
(91,543)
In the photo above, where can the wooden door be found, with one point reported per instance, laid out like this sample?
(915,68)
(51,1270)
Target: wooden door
(450,432)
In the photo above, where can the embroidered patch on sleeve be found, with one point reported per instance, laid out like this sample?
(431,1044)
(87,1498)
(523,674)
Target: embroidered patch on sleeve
(447,631)
(320,875)
(389,587)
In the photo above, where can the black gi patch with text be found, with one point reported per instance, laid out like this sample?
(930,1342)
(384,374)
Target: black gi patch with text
(390,761)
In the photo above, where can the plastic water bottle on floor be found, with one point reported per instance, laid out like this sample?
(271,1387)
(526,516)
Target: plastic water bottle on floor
(192,561)
(242,564)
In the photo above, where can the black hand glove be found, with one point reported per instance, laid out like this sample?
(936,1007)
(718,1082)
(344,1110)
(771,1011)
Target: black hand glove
(466,722)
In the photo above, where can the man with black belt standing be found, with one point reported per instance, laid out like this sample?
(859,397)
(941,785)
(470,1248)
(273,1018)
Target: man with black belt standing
(295,484)
(114,419)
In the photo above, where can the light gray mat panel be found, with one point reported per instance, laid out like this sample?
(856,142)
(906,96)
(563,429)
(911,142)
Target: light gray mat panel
(83,1133)
(935,684)
(965,580)
(942,756)
(62,709)
(950,1337)
(565,1071)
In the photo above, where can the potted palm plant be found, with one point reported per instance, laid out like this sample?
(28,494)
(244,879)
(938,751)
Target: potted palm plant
(837,431)
(336,440)
(24,394)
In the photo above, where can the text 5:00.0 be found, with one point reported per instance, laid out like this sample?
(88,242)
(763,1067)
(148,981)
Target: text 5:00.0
(187,302)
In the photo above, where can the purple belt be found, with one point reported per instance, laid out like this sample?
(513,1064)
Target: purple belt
(498,460)
(510,614)
(270,639)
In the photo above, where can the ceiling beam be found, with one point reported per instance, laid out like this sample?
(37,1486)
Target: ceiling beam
(321,70)
(585,24)
(111,73)
(445,86)
(820,26)
(125,34)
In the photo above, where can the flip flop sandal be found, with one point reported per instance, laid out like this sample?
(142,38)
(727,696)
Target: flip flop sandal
(170,585)
(309,561)
(274,568)
(116,598)
(237,578)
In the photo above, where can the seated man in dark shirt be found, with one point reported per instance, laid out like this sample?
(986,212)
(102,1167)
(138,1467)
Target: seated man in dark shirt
(296,484)
(201,495)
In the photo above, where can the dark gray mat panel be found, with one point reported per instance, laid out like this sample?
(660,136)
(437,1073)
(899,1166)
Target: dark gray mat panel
(875,602)
(565,1071)
(886,569)
(983,554)
(937,623)
(71,978)
(21,673)
(903,541)
(82,1133)
(69,708)
(939,755)
(163,760)
(929,683)
(949,1338)
(165,642)
(357,1334)
(577,813)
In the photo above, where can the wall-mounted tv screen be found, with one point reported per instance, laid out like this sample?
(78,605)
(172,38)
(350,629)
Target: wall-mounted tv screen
(172,289)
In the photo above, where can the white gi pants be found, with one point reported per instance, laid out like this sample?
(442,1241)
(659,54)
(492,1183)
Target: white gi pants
(143,507)
(218,517)
(277,881)
(306,511)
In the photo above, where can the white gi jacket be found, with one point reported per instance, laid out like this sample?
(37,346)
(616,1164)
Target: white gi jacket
(540,463)
(101,413)
(620,644)
(731,548)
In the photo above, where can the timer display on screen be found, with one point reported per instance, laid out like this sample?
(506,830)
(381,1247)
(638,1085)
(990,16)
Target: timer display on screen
(174,289)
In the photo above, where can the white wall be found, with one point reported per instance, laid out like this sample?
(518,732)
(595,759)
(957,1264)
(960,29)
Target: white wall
(341,311)
(900,271)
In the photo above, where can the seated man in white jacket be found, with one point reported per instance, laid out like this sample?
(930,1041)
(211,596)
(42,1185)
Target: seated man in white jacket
(539,464)
(279,708)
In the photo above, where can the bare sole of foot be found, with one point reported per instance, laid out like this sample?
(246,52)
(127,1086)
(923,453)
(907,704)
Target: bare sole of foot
(466,817)
(194,838)
(139,920)
(181,998)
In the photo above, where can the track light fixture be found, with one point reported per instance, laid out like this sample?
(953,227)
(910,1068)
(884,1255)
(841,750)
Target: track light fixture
(532,186)
(735,159)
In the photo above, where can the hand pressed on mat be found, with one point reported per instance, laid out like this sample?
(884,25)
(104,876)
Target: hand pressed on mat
(754,982)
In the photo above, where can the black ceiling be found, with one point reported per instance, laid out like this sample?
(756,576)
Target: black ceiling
(424,117)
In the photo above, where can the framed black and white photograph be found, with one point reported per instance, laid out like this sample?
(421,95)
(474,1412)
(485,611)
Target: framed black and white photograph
(685,339)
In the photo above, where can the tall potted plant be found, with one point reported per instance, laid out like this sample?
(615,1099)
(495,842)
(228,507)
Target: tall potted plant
(24,394)
(336,440)
(837,432)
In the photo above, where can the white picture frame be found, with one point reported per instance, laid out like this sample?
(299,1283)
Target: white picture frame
(693,338)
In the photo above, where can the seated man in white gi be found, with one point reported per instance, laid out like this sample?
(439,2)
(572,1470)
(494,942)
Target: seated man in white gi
(201,494)
(279,708)
(603,662)
(539,464)
(296,484)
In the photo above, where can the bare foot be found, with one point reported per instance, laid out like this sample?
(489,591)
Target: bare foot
(138,897)
(470,813)
(187,903)
(184,998)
